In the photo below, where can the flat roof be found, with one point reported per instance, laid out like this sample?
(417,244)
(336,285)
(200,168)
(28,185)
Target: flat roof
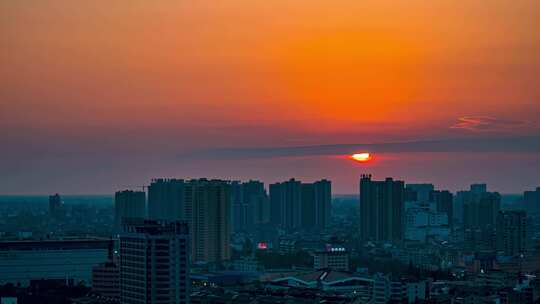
(90,243)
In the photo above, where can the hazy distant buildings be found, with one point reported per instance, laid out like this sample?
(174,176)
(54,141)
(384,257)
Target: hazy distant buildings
(532,200)
(316,204)
(63,260)
(422,191)
(166,199)
(208,213)
(511,233)
(250,205)
(381,209)
(154,263)
(286,204)
(128,204)
(444,203)
(480,207)
(295,205)
(56,206)
(423,223)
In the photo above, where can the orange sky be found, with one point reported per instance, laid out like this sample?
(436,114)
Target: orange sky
(274,72)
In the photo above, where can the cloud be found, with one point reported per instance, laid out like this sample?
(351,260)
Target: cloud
(485,124)
(523,144)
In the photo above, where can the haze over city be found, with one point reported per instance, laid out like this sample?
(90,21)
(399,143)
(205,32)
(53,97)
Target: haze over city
(96,96)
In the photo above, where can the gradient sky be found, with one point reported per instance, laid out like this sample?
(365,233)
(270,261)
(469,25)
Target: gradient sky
(97,96)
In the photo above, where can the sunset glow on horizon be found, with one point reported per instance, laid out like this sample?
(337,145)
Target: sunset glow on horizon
(101,91)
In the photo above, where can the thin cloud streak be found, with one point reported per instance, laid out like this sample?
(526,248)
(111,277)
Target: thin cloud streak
(525,144)
(485,124)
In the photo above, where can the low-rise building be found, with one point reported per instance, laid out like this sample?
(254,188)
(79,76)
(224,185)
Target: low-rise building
(334,258)
(70,260)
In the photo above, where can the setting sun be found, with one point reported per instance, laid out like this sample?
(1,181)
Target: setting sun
(361,157)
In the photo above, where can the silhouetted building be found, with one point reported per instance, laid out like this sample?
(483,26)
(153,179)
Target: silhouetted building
(67,260)
(511,234)
(128,204)
(381,209)
(444,203)
(154,263)
(316,205)
(208,212)
(295,205)
(166,200)
(249,205)
(480,207)
(286,204)
(532,200)
(56,206)
(422,191)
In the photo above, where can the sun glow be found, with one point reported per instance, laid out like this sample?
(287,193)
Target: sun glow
(361,157)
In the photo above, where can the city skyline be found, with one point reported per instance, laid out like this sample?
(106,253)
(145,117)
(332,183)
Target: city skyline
(101,94)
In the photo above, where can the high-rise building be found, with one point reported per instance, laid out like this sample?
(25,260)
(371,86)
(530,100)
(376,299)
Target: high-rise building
(128,204)
(532,200)
(154,263)
(444,203)
(511,233)
(208,212)
(478,188)
(249,205)
(316,205)
(480,207)
(422,191)
(295,205)
(56,206)
(286,204)
(166,200)
(238,208)
(381,209)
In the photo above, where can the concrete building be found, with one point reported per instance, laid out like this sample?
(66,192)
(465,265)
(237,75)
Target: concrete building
(69,260)
(286,204)
(422,191)
(389,289)
(531,199)
(444,203)
(208,213)
(316,205)
(423,223)
(381,209)
(128,204)
(295,205)
(56,206)
(106,280)
(511,232)
(250,205)
(166,199)
(154,263)
(479,207)
(333,258)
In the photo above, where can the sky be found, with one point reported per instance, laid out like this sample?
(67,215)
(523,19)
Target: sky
(98,96)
